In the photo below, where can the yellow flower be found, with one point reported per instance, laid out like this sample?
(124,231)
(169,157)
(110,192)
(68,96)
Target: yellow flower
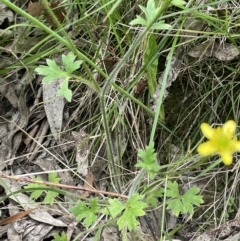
(220,141)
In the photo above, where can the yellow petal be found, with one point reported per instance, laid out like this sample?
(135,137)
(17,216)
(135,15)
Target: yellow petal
(235,145)
(226,157)
(229,128)
(207,148)
(207,130)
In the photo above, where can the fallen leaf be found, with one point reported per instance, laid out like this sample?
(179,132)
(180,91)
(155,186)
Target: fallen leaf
(5,14)
(174,71)
(223,52)
(16,216)
(29,229)
(53,105)
(109,233)
(35,8)
(82,151)
(226,52)
(43,216)
(7,90)
(88,184)
(140,87)
(58,10)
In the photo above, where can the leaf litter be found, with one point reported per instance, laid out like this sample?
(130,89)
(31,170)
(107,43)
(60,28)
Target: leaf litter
(54,105)
(5,14)
(33,142)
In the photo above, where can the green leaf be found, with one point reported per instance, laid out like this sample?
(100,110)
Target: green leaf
(153,195)
(65,91)
(114,209)
(36,194)
(53,177)
(162,114)
(176,206)
(178,3)
(149,155)
(184,203)
(172,189)
(57,237)
(133,209)
(69,63)
(139,20)
(148,162)
(151,62)
(150,12)
(88,213)
(51,72)
(160,25)
(191,198)
(50,196)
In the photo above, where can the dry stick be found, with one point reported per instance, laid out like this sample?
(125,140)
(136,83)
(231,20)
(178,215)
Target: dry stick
(24,179)
(40,135)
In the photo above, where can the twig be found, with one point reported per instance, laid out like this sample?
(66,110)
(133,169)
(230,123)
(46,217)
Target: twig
(25,179)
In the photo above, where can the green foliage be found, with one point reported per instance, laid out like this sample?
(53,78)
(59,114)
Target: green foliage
(57,237)
(70,64)
(150,12)
(182,203)
(230,207)
(65,91)
(151,62)
(178,3)
(153,195)
(132,209)
(148,162)
(87,213)
(150,49)
(50,196)
(53,177)
(53,72)
(115,208)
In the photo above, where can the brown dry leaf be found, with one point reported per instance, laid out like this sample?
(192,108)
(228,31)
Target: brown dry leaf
(16,216)
(59,11)
(35,8)
(139,88)
(88,184)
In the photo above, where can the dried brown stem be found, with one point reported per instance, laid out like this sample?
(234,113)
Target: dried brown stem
(24,179)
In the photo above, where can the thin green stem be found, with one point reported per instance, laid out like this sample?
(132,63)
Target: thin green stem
(68,43)
(111,78)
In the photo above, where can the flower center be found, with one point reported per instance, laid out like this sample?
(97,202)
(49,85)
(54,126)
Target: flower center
(223,141)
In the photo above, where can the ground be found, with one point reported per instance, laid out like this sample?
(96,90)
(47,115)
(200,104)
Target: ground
(100,120)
